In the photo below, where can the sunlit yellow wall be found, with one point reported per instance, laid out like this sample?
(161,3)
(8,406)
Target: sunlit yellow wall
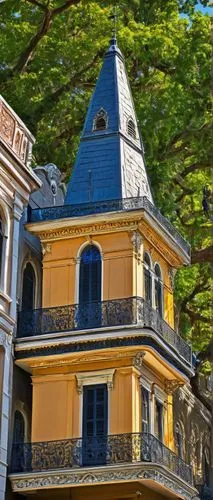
(60,268)
(57,404)
(122,271)
(168,293)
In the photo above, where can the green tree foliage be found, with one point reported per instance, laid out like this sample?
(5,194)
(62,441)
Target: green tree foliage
(51,52)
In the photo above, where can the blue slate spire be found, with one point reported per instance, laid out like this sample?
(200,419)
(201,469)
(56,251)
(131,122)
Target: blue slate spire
(109,163)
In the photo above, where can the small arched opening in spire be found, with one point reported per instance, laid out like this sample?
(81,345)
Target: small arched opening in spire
(131,129)
(100,121)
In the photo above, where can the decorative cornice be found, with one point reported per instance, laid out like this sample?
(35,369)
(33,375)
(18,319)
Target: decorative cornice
(143,473)
(33,351)
(154,239)
(88,230)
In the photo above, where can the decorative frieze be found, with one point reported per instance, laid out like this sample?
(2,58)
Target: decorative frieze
(88,230)
(142,473)
(14,133)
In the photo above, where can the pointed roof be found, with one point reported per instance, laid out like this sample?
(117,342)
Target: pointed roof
(110,163)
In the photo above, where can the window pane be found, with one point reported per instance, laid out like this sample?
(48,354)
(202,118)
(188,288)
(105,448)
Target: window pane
(28,290)
(158,420)
(145,411)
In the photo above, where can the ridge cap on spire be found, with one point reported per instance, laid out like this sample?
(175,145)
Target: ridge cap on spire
(113,47)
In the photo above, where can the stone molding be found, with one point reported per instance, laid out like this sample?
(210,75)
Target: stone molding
(138,361)
(109,474)
(96,377)
(14,133)
(172,385)
(88,230)
(153,238)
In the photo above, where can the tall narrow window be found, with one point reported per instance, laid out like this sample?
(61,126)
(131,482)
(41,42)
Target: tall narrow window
(90,288)
(145,411)
(147,279)
(158,290)
(95,424)
(19,428)
(179,440)
(90,275)
(28,289)
(159,420)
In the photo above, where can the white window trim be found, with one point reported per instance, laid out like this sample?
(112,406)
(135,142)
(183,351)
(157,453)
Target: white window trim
(5,248)
(94,378)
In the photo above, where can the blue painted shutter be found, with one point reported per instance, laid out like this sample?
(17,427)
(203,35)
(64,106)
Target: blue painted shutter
(90,275)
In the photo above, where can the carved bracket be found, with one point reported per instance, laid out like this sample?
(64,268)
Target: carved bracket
(138,360)
(172,385)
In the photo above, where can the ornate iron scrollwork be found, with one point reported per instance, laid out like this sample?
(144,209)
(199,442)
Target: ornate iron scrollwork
(99,314)
(95,451)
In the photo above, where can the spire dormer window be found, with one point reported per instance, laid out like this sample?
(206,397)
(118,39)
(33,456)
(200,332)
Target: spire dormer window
(131,129)
(100,121)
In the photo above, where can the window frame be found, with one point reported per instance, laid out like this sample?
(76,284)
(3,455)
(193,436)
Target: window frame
(147,270)
(145,391)
(29,262)
(100,115)
(158,290)
(160,423)
(131,128)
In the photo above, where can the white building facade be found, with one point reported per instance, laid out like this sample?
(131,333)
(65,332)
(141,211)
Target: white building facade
(17,181)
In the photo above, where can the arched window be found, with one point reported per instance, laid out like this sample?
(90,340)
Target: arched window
(158,290)
(19,428)
(28,288)
(90,288)
(90,275)
(147,279)
(131,128)
(100,121)
(179,440)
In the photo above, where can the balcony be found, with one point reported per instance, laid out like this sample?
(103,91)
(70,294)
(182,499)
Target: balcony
(125,204)
(95,452)
(108,313)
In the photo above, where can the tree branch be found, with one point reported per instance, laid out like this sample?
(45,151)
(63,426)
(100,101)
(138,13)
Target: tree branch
(195,316)
(26,56)
(202,255)
(53,98)
(38,4)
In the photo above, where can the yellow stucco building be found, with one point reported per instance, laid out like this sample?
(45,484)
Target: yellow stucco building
(102,352)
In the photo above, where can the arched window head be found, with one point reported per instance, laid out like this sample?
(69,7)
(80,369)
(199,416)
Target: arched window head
(131,130)
(100,121)
(147,279)
(179,440)
(19,428)
(158,290)
(28,288)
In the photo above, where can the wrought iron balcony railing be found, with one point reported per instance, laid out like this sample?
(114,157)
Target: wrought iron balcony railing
(95,451)
(108,313)
(125,204)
